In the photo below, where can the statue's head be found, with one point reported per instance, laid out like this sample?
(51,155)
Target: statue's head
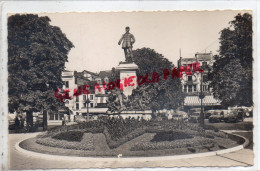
(127,29)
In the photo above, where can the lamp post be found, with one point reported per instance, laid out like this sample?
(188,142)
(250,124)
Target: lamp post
(201,96)
(87,102)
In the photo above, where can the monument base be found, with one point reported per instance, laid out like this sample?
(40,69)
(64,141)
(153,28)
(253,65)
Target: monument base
(128,77)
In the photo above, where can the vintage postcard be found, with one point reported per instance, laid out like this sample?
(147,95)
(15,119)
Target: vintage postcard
(130,89)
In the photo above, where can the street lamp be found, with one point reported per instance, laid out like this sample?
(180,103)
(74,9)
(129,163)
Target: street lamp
(87,102)
(201,96)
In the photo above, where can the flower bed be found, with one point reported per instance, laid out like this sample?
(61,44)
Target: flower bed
(117,142)
(85,144)
(146,144)
(167,134)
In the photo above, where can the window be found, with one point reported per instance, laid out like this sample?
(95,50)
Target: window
(77,98)
(185,88)
(85,104)
(91,97)
(77,106)
(84,97)
(66,84)
(91,105)
(208,88)
(106,80)
(204,64)
(51,116)
(195,88)
(205,78)
(189,78)
(190,88)
(204,88)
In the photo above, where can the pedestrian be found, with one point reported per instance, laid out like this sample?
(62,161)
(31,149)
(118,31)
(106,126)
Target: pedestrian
(63,121)
(16,123)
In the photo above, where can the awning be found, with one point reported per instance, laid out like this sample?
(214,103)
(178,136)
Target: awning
(195,101)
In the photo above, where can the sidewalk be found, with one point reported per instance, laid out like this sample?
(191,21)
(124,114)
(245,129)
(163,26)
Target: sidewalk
(23,160)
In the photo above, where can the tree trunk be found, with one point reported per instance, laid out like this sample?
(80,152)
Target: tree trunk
(29,121)
(45,122)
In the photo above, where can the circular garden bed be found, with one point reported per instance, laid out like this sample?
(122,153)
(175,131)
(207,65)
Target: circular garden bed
(133,138)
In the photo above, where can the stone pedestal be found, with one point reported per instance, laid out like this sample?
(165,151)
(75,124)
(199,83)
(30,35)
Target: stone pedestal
(128,77)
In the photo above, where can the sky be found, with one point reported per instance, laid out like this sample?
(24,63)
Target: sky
(95,35)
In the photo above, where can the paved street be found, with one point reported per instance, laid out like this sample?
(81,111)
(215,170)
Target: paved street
(27,160)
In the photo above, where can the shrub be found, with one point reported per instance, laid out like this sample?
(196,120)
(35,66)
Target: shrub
(116,143)
(170,136)
(69,136)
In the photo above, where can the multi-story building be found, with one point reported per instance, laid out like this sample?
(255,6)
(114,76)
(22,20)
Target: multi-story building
(77,104)
(197,82)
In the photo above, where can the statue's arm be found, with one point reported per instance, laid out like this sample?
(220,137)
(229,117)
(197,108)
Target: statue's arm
(133,41)
(119,42)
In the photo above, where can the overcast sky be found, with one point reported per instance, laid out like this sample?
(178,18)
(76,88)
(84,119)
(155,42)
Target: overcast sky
(95,35)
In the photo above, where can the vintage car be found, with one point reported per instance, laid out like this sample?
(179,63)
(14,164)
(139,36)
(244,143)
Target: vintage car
(11,121)
(233,115)
(247,111)
(208,113)
(180,115)
(194,117)
(80,118)
(216,116)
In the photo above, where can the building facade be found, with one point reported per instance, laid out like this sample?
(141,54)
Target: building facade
(95,101)
(195,82)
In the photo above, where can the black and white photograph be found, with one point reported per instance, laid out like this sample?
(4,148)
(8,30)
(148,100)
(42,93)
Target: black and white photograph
(140,89)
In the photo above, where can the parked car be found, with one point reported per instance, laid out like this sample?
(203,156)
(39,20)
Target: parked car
(178,115)
(80,118)
(11,121)
(234,116)
(194,110)
(247,111)
(194,117)
(208,113)
(216,116)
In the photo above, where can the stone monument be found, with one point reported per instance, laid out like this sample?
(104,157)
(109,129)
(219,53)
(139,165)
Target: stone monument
(128,68)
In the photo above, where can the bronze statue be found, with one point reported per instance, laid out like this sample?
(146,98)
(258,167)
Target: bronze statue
(128,41)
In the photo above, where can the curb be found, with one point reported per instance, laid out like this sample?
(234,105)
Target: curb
(130,159)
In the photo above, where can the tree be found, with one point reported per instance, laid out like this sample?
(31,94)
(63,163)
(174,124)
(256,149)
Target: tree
(157,94)
(37,52)
(232,70)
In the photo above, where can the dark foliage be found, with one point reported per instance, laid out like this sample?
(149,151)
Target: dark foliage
(69,136)
(37,52)
(232,74)
(170,136)
(164,94)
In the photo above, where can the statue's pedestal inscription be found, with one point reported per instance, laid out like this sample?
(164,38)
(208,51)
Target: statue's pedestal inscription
(127,77)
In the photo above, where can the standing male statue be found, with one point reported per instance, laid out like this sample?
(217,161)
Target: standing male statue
(128,41)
